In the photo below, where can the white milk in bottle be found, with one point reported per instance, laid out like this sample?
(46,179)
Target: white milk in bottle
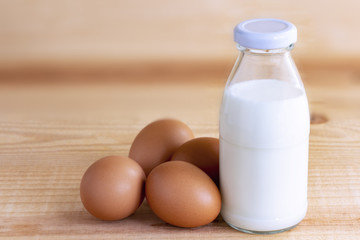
(264,132)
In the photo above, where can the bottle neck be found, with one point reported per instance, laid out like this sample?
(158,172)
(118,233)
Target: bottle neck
(277,64)
(246,50)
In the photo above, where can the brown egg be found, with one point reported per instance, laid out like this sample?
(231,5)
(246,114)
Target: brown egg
(112,188)
(158,141)
(182,194)
(202,152)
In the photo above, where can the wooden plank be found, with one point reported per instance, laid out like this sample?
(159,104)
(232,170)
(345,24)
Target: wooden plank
(113,31)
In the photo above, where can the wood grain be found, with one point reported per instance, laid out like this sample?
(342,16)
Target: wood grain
(112,31)
(50,134)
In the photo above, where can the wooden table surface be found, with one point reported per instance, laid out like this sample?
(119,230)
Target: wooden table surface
(51,133)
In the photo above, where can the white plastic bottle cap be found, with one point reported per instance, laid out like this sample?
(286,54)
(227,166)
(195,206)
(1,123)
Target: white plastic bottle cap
(265,33)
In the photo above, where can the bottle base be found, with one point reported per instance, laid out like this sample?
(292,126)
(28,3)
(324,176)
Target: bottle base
(261,225)
(261,232)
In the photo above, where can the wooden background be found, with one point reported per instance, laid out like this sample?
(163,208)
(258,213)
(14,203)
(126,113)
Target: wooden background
(79,80)
(113,32)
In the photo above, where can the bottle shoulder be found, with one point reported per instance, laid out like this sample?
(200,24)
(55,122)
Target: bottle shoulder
(253,66)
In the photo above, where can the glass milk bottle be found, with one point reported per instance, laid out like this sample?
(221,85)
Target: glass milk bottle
(264,132)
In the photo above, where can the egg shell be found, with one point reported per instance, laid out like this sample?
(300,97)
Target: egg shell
(202,152)
(113,187)
(157,142)
(182,194)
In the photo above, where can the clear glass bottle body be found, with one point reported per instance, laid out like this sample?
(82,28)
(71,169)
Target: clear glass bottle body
(264,139)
